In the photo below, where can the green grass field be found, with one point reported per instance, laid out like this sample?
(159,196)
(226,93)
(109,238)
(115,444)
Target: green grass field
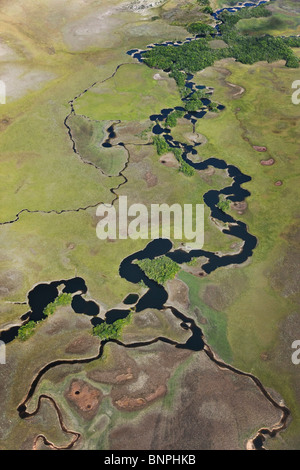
(131,95)
(264,115)
(89,137)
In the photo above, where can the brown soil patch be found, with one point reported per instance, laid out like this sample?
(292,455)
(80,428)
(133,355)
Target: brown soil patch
(85,398)
(150,179)
(210,409)
(195,138)
(239,90)
(80,345)
(139,377)
(216,298)
(178,292)
(4,123)
(240,207)
(259,149)
(264,356)
(10,281)
(169,160)
(132,132)
(285,276)
(123,366)
(124,377)
(207,174)
(234,91)
(130,404)
(71,246)
(56,325)
(269,162)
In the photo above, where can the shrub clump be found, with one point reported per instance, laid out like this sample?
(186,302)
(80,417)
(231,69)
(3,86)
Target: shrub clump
(201,28)
(185,168)
(224,205)
(197,55)
(61,300)
(161,145)
(106,331)
(27,330)
(159,269)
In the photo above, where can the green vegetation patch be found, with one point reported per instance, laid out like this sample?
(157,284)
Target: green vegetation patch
(26,331)
(193,262)
(161,145)
(197,55)
(171,120)
(200,28)
(159,269)
(185,168)
(106,331)
(224,205)
(206,4)
(62,300)
(244,13)
(162,148)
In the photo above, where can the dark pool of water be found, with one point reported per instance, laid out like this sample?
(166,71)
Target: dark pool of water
(88,307)
(74,285)
(40,296)
(131,299)
(116,314)
(9,335)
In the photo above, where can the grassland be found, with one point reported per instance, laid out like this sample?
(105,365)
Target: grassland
(283,22)
(131,95)
(137,386)
(263,115)
(88,137)
(243,310)
(284,19)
